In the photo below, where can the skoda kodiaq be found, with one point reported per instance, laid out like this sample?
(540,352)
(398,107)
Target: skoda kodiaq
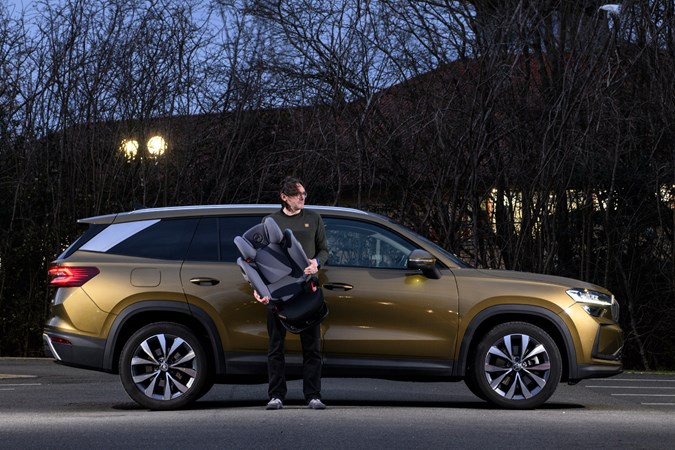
(156,296)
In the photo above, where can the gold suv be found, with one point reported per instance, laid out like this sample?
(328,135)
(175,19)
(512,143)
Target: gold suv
(156,296)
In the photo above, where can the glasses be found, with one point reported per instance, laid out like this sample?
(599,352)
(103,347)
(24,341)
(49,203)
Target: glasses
(299,194)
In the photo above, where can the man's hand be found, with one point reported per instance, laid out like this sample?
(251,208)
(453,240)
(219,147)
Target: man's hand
(313,267)
(263,300)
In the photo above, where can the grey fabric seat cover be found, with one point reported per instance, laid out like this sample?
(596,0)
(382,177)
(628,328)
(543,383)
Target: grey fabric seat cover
(272,261)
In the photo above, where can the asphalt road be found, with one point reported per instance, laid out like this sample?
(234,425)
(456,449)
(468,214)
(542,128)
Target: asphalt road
(44,405)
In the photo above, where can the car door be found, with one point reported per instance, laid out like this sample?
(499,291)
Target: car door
(213,283)
(378,307)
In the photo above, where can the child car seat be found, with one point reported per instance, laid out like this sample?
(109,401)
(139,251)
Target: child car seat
(273,263)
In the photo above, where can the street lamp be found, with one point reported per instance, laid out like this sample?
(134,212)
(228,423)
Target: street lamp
(156,146)
(129,148)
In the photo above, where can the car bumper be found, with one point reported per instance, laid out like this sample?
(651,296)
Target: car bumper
(606,354)
(73,349)
(596,371)
(608,343)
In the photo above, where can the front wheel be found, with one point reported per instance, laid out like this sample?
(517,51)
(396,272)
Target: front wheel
(163,366)
(517,365)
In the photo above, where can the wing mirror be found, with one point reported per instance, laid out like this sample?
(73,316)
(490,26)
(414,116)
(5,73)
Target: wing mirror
(424,261)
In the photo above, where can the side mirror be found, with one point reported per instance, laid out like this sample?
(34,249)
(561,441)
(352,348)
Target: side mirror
(424,261)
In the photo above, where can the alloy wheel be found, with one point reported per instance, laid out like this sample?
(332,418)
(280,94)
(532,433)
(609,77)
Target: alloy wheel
(164,366)
(517,367)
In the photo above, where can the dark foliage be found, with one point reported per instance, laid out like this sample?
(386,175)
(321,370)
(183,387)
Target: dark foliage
(532,136)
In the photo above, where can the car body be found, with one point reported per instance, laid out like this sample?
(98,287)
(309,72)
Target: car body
(156,296)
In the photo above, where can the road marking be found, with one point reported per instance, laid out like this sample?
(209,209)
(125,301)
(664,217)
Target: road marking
(640,380)
(632,387)
(4,386)
(7,376)
(644,395)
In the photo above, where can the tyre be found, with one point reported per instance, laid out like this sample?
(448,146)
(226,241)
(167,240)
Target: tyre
(470,381)
(163,366)
(517,365)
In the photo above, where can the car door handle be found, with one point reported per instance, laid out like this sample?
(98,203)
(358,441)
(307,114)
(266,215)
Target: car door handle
(338,286)
(199,281)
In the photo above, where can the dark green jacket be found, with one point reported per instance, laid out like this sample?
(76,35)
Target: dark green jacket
(307,227)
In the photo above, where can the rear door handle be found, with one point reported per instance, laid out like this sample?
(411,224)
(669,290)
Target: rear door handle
(338,286)
(199,281)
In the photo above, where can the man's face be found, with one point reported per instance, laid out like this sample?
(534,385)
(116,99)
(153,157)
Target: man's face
(295,203)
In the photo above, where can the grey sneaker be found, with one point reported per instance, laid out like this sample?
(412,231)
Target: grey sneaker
(275,403)
(315,403)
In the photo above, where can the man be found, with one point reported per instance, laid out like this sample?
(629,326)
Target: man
(308,228)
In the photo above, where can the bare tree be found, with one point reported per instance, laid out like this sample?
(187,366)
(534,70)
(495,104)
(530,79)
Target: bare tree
(526,135)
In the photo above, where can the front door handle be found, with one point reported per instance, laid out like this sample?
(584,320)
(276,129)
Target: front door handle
(338,286)
(200,281)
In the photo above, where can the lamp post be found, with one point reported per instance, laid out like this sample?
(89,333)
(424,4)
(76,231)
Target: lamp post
(156,148)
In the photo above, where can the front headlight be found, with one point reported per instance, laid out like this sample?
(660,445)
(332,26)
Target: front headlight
(591,297)
(597,304)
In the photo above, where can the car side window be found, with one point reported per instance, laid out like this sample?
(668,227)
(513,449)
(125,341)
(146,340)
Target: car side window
(204,246)
(353,243)
(164,239)
(231,227)
(214,238)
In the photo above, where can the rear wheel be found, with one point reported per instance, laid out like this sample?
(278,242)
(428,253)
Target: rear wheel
(517,365)
(164,366)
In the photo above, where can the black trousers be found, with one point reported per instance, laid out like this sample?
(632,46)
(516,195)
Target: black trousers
(276,361)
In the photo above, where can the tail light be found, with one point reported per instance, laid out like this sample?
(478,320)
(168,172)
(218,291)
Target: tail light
(71,276)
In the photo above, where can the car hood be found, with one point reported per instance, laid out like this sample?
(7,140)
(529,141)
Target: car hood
(539,278)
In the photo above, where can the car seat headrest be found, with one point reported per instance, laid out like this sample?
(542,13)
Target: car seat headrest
(259,236)
(273,233)
(268,234)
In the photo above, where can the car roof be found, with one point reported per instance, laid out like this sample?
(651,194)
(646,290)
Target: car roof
(214,210)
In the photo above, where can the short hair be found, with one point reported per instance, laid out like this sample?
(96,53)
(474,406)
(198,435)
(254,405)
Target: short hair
(290,186)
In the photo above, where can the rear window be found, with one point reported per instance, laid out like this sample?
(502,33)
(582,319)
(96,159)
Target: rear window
(191,239)
(166,239)
(158,239)
(89,234)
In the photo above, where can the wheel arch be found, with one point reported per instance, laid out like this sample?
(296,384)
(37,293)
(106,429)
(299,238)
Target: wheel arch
(135,316)
(540,317)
